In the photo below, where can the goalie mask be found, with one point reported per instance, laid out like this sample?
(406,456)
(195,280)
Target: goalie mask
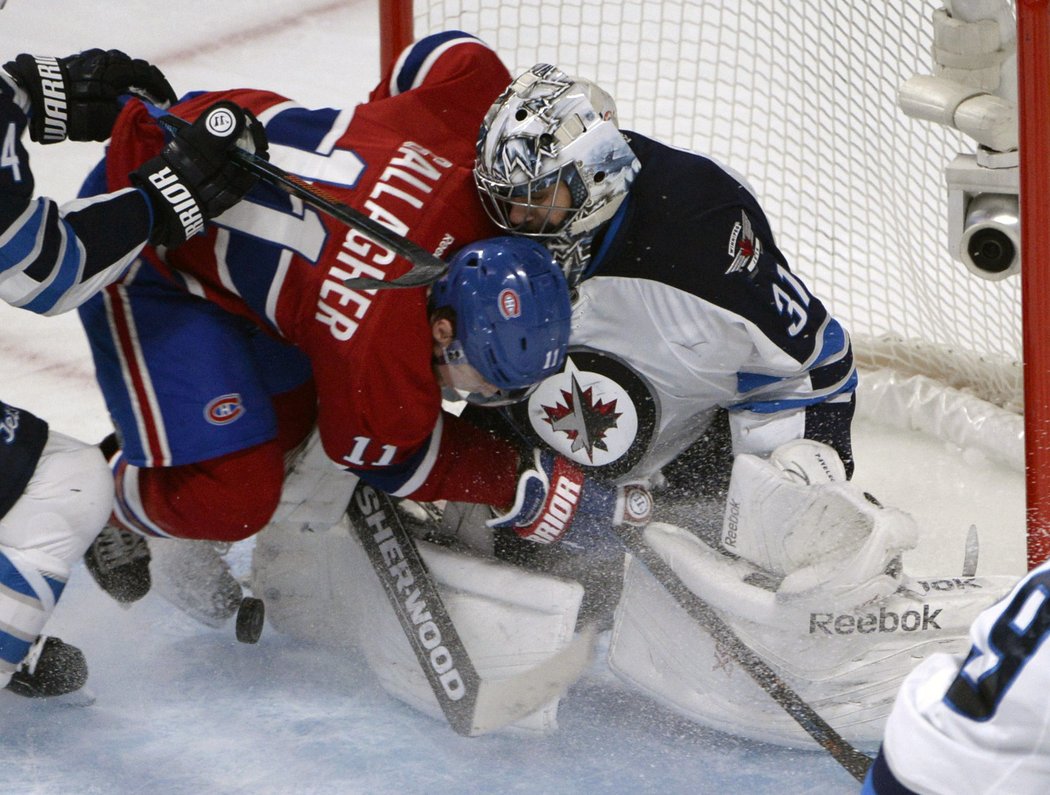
(551,162)
(511,311)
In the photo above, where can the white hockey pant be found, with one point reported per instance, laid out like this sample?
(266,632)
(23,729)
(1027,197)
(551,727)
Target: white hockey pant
(62,509)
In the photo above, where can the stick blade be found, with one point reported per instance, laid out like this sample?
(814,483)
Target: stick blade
(501,702)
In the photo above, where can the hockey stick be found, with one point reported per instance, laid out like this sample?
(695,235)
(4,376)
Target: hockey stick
(854,761)
(426,268)
(472,704)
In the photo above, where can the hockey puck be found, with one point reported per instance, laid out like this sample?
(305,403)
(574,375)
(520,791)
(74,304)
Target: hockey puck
(250,617)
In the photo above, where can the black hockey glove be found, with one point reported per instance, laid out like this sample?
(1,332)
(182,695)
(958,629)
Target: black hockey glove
(194,179)
(78,97)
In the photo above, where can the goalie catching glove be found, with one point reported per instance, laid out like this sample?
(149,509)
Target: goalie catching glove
(555,500)
(194,179)
(78,97)
(797,517)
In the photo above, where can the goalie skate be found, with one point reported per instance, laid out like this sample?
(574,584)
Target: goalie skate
(118,560)
(52,668)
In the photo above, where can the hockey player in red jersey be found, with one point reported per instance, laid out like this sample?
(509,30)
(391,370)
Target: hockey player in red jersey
(210,395)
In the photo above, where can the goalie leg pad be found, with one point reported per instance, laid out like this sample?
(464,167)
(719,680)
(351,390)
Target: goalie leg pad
(194,577)
(315,491)
(844,659)
(302,578)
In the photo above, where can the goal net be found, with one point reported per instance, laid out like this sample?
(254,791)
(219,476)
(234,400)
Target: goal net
(801,98)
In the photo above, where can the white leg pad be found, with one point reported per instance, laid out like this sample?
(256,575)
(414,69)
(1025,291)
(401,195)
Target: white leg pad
(316,491)
(846,661)
(320,587)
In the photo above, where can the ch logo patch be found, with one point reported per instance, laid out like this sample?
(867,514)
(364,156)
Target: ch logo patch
(509,303)
(224,409)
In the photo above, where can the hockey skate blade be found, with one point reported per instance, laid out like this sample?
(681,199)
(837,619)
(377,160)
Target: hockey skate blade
(84,697)
(501,702)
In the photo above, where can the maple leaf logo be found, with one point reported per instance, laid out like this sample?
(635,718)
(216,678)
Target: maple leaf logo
(582,419)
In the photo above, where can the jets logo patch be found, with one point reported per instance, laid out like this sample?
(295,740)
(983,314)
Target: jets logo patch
(597,412)
(744,247)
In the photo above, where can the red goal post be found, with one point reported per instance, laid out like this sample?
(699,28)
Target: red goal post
(800,97)
(1033,71)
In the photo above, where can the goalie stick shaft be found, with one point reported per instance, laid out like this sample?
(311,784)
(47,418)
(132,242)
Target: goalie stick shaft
(854,761)
(413,595)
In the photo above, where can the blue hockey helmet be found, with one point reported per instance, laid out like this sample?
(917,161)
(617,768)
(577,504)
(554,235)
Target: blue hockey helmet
(512,314)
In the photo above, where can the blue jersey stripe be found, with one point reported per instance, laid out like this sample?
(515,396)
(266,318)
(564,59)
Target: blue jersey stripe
(66,274)
(25,240)
(786,404)
(417,56)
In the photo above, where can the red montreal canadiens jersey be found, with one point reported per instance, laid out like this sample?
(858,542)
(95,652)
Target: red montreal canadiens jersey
(405,159)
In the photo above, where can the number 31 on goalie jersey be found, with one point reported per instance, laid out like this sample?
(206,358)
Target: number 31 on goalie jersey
(997,659)
(787,305)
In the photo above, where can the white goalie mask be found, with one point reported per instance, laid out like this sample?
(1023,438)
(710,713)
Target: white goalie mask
(548,128)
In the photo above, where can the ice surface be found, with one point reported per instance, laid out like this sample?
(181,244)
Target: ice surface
(185,709)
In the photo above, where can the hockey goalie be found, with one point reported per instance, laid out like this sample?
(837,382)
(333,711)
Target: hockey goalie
(822,598)
(716,392)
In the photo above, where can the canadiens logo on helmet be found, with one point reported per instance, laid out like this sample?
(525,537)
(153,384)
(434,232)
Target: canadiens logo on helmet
(509,303)
(224,409)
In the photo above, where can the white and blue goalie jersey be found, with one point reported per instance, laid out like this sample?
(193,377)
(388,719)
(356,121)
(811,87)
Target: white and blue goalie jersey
(53,257)
(687,308)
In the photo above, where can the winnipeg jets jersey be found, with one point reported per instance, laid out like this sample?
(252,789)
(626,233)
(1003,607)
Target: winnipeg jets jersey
(687,306)
(22,439)
(978,723)
(54,257)
(405,159)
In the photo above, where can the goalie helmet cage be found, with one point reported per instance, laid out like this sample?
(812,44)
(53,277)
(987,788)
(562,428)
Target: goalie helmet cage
(801,98)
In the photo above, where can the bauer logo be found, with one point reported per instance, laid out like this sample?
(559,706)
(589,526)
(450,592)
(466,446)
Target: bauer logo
(509,304)
(224,409)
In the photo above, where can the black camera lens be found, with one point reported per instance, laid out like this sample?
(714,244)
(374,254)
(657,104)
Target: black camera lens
(991,250)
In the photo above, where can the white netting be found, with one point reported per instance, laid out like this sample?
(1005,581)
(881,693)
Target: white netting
(800,97)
